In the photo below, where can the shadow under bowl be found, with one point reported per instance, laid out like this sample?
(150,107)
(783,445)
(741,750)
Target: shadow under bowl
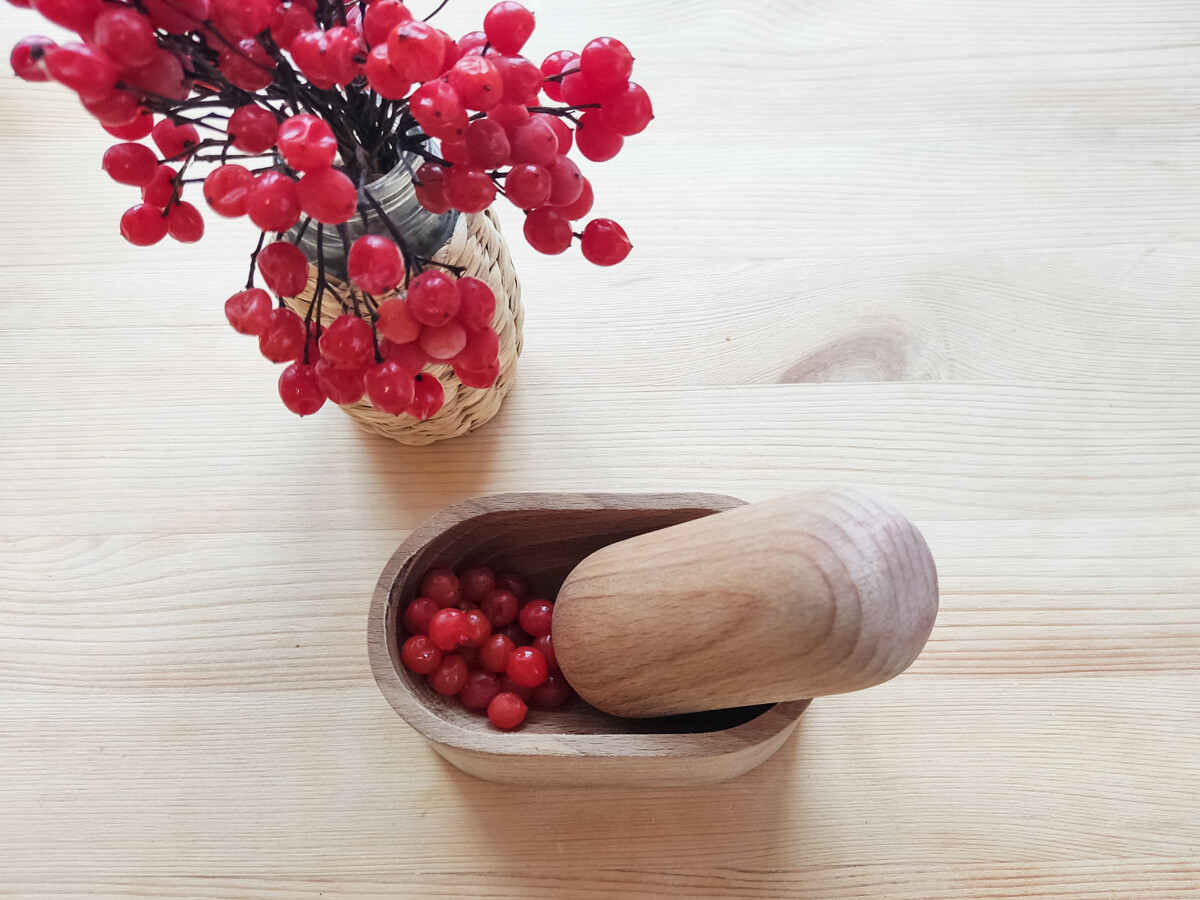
(543,537)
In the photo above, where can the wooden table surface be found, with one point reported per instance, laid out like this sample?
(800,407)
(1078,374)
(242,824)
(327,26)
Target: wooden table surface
(946,250)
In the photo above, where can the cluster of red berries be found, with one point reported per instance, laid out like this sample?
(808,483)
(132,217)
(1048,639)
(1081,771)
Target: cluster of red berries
(478,635)
(304,103)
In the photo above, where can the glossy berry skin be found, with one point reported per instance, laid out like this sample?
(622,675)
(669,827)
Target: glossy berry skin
(566,183)
(478,82)
(595,139)
(76,15)
(469,190)
(545,645)
(428,397)
(528,185)
(416,51)
(513,583)
(184,223)
(551,693)
(582,205)
(486,144)
(284,267)
(253,129)
(143,225)
(328,195)
(419,654)
(547,231)
(526,667)
(479,689)
(418,614)
(450,675)
(553,65)
(226,188)
(448,628)
(306,143)
(629,111)
(478,380)
(508,26)
(139,128)
(396,322)
(433,298)
(442,586)
(606,63)
(299,391)
(174,141)
(443,342)
(288,21)
(249,311)
(409,357)
(481,351)
(283,339)
(536,141)
(430,187)
(130,163)
(375,264)
(507,710)
(348,342)
(381,17)
(476,583)
(493,654)
(161,188)
(342,386)
(477,303)
(535,617)
(604,242)
(28,58)
(389,388)
(478,629)
(500,606)
(272,202)
(82,68)
(247,65)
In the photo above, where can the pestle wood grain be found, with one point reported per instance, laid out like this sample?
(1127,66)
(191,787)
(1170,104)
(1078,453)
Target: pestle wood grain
(808,594)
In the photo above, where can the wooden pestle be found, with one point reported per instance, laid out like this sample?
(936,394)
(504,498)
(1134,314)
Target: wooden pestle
(808,594)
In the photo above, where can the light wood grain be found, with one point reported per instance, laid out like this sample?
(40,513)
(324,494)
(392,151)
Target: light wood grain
(946,250)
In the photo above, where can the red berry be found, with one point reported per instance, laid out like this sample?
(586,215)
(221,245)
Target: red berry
(385,80)
(595,139)
(545,645)
(522,80)
(437,109)
(513,583)
(284,267)
(343,48)
(253,129)
(389,388)
(82,68)
(604,242)
(428,397)
(507,710)
(536,616)
(139,128)
(493,655)
(328,196)
(509,114)
(76,15)
(481,352)
(478,629)
(478,82)
(381,17)
(448,628)
(551,693)
(272,202)
(535,141)
(249,311)
(566,182)
(450,675)
(247,65)
(582,205)
(307,143)
(409,357)
(184,223)
(174,140)
(500,606)
(430,188)
(163,75)
(547,231)
(477,303)
(161,189)
(508,26)
(486,144)
(143,225)
(441,585)
(476,583)
(471,42)
(348,342)
(288,21)
(299,390)
(553,65)
(115,109)
(396,322)
(528,185)
(375,264)
(566,137)
(237,19)
(419,654)
(606,63)
(577,90)
(177,16)
(311,51)
(226,189)
(443,342)
(283,339)
(129,163)
(469,190)
(479,689)
(28,57)
(418,614)
(526,667)
(342,386)
(433,298)
(513,632)
(629,111)
(415,50)
(479,380)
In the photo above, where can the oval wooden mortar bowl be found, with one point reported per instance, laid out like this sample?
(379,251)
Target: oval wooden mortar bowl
(544,536)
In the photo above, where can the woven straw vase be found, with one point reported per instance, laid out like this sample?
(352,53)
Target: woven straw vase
(480,249)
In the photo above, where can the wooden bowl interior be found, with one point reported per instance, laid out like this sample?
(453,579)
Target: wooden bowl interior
(544,545)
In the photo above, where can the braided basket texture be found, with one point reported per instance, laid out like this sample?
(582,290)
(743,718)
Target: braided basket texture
(480,249)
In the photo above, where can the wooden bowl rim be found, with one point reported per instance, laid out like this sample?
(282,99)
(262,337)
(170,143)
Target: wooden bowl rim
(442,731)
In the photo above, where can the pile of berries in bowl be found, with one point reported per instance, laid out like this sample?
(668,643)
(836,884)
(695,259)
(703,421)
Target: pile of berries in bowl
(482,637)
